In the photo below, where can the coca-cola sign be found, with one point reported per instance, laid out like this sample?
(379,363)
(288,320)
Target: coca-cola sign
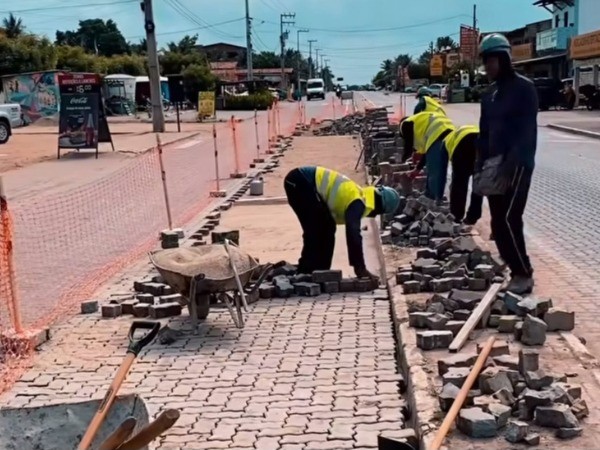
(78,100)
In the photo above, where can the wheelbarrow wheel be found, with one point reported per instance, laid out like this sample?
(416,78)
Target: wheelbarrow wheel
(202,306)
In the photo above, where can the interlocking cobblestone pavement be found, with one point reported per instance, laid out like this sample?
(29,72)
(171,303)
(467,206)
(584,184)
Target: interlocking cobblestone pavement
(305,373)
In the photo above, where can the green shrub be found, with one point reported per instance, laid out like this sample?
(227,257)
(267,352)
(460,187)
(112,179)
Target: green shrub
(260,101)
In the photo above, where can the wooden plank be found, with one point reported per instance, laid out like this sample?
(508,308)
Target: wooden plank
(483,306)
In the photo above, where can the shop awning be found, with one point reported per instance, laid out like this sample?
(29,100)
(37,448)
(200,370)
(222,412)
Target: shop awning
(539,59)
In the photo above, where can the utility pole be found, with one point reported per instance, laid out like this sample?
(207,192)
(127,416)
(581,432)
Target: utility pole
(310,60)
(283,36)
(328,72)
(298,59)
(476,39)
(158,117)
(249,76)
(322,65)
(317,60)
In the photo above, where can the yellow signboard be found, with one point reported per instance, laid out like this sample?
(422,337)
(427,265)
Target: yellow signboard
(436,66)
(206,104)
(522,52)
(586,45)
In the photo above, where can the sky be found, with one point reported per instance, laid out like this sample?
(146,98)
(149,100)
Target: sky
(354,35)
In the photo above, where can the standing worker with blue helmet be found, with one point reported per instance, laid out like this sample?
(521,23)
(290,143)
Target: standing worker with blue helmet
(322,199)
(427,103)
(508,133)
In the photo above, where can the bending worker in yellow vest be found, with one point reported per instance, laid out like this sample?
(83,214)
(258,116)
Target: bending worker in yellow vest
(461,150)
(428,133)
(322,199)
(427,103)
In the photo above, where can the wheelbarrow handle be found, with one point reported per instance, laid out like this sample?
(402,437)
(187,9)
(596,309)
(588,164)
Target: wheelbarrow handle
(136,345)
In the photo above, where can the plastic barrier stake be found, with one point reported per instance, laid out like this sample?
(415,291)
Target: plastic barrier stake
(163,175)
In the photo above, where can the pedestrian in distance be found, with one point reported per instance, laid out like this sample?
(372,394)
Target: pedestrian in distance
(322,199)
(461,151)
(507,146)
(428,132)
(427,103)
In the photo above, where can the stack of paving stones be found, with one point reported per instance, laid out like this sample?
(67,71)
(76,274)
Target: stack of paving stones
(284,282)
(513,397)
(347,125)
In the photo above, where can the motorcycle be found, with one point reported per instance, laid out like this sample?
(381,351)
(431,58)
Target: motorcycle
(593,102)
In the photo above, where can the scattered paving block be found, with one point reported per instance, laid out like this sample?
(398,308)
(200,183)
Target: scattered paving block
(436,322)
(559,319)
(266,290)
(484,271)
(456,376)
(140,310)
(321,276)
(145,298)
(501,412)
(498,348)
(433,270)
(170,298)
(330,287)
(538,379)
(454,326)
(569,433)
(458,360)
(476,423)
(127,306)
(459,282)
(417,266)
(307,289)
(505,397)
(442,285)
(580,409)
(436,308)
(449,393)
(493,379)
(506,324)
(429,340)
(537,307)
(529,360)
(534,398)
(111,311)
(511,302)
(516,431)
(418,319)
(427,253)
(555,416)
(493,321)
(509,361)
(518,331)
(520,386)
(89,307)
(522,411)
(498,307)
(300,277)
(164,310)
(403,277)
(346,285)
(218,237)
(534,331)
(155,289)
(532,439)
(137,285)
(411,287)
(464,244)
(466,299)
(477,284)
(461,314)
(283,289)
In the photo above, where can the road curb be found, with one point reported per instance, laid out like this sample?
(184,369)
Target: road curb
(572,130)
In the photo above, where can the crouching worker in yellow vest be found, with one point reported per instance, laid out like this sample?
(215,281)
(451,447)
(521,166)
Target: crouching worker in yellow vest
(429,131)
(461,149)
(322,199)
(427,103)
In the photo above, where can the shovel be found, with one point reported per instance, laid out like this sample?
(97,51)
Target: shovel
(134,348)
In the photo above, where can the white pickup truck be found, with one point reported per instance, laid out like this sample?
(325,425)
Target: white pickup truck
(10,117)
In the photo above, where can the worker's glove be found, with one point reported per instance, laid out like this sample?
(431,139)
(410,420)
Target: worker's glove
(362,272)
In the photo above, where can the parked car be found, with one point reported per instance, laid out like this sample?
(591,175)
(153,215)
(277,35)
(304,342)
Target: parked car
(10,117)
(549,92)
(410,90)
(436,90)
(315,87)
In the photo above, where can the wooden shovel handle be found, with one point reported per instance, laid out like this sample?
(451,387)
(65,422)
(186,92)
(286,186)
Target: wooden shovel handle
(119,435)
(162,423)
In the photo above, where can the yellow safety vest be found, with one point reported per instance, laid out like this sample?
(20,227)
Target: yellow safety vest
(339,191)
(455,137)
(428,127)
(432,105)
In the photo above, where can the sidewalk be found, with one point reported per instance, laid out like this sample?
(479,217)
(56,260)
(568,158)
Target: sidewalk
(304,374)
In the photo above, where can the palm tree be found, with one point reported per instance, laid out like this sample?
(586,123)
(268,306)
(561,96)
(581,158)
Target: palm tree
(444,42)
(13,26)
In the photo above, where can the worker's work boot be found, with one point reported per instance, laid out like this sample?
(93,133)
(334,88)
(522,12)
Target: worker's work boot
(520,285)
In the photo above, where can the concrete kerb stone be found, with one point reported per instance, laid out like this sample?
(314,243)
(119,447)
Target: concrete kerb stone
(573,130)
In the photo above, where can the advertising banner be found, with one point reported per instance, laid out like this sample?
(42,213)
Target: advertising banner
(469,38)
(436,66)
(206,104)
(78,125)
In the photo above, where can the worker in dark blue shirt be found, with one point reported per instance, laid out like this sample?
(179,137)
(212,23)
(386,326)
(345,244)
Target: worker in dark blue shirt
(508,127)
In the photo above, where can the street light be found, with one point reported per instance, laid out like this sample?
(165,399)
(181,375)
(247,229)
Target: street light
(298,58)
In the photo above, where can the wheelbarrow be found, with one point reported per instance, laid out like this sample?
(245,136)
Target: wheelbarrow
(199,291)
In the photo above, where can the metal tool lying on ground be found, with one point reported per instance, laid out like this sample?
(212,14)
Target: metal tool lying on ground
(134,348)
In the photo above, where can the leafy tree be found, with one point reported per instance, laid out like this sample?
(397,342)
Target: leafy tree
(266,60)
(95,36)
(130,64)
(176,62)
(379,79)
(445,42)
(13,26)
(26,53)
(416,71)
(140,48)
(196,78)
(187,44)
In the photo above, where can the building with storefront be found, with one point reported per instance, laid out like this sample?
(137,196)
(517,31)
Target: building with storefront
(585,46)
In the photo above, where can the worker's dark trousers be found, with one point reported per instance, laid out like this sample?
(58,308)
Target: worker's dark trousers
(436,162)
(507,223)
(318,226)
(463,168)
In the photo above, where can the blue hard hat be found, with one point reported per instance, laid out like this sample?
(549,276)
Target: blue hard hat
(390,199)
(494,43)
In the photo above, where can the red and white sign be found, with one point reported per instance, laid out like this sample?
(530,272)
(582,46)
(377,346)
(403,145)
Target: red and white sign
(68,79)
(469,38)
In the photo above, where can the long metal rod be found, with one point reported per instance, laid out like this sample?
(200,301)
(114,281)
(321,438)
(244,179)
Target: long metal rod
(163,175)
(256,134)
(216,157)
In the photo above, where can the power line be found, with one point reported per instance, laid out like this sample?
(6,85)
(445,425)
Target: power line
(189,30)
(87,5)
(268,5)
(190,16)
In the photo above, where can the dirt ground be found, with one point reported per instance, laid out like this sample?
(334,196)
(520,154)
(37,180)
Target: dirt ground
(283,225)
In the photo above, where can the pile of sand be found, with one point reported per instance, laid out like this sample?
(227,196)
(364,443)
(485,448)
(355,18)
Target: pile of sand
(210,260)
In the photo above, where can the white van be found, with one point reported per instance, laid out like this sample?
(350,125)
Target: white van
(315,87)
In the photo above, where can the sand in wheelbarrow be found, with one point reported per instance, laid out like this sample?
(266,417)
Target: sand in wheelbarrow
(211,260)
